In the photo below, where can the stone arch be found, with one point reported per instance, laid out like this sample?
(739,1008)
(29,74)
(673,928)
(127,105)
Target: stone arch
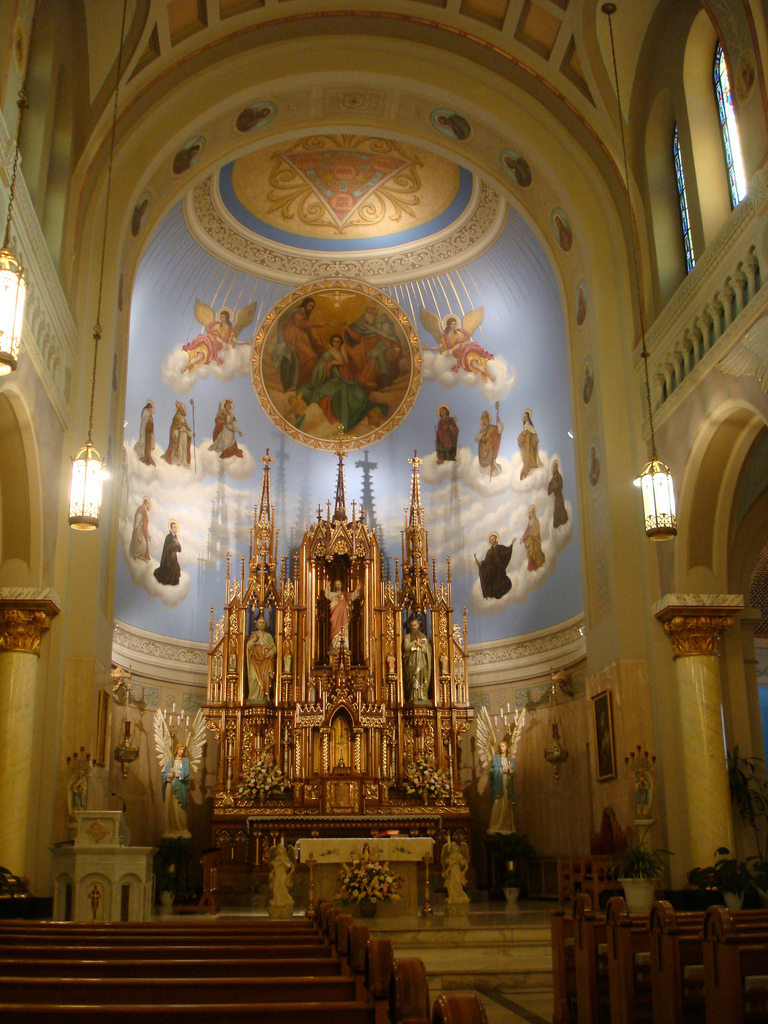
(717,458)
(20,494)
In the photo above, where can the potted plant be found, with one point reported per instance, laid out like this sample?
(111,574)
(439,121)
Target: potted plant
(513,848)
(731,876)
(637,868)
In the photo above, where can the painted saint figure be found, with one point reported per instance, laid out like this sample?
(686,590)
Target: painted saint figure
(532,541)
(494,581)
(374,348)
(488,442)
(334,387)
(446,436)
(594,465)
(179,450)
(146,442)
(260,654)
(528,443)
(175,777)
(502,792)
(555,487)
(169,571)
(340,601)
(417,663)
(297,350)
(139,546)
(225,428)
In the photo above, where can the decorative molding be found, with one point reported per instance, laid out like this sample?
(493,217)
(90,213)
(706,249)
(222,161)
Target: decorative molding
(694,622)
(49,337)
(159,658)
(25,614)
(219,234)
(531,656)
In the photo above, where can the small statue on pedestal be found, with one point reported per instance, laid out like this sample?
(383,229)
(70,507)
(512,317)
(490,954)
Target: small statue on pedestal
(454,860)
(281,860)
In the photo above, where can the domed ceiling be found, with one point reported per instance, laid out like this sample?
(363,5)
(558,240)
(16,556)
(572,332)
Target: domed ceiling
(340,284)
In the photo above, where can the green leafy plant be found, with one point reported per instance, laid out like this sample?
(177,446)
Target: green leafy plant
(749,795)
(11,885)
(637,861)
(726,874)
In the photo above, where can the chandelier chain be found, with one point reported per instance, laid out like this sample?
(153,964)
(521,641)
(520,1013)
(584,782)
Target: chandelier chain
(610,9)
(97,325)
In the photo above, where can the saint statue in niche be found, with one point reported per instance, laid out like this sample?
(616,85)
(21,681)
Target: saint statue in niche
(340,600)
(260,654)
(417,663)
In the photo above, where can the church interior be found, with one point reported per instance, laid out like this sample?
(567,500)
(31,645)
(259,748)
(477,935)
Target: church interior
(375,326)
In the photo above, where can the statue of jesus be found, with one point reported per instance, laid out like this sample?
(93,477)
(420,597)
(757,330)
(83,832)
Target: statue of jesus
(340,601)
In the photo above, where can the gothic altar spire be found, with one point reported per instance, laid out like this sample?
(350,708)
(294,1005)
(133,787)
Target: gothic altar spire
(415,540)
(264,547)
(340,505)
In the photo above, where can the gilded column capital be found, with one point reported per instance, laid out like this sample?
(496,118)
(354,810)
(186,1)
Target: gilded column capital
(25,614)
(694,622)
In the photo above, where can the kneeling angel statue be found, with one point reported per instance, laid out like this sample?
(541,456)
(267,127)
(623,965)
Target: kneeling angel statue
(499,757)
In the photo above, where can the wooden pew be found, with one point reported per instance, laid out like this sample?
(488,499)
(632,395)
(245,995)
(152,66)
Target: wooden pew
(590,961)
(735,968)
(239,1013)
(186,967)
(563,967)
(173,951)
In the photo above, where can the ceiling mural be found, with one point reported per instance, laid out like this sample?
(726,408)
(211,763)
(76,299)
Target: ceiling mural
(463,360)
(336,359)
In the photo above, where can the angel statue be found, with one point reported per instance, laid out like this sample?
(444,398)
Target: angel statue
(454,860)
(281,867)
(217,334)
(178,761)
(457,340)
(500,758)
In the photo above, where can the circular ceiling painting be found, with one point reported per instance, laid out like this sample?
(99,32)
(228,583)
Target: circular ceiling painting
(333,358)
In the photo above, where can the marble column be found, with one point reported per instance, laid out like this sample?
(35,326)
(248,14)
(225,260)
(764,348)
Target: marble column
(25,614)
(694,623)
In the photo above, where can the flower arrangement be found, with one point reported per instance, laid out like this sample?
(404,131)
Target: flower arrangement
(367,880)
(262,777)
(423,778)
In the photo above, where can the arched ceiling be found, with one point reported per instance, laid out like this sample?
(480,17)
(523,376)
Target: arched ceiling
(246,245)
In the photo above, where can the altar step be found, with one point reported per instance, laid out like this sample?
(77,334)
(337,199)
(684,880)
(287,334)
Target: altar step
(474,954)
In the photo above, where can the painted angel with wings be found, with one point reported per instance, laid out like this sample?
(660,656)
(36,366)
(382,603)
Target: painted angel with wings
(217,334)
(500,758)
(457,340)
(178,761)
(749,357)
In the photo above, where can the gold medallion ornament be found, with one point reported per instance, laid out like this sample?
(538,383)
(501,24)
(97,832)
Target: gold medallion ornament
(336,355)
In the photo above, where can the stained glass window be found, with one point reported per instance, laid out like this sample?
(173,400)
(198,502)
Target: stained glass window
(682,198)
(729,130)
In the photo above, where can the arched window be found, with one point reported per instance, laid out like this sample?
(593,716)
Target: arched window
(729,129)
(682,199)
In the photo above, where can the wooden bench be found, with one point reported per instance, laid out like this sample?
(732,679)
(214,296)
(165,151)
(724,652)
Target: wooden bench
(735,968)
(563,967)
(592,875)
(185,967)
(590,960)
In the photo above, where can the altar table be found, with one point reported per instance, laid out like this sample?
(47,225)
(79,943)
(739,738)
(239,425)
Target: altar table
(404,853)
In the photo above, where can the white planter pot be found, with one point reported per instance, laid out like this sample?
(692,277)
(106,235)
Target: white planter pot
(733,901)
(638,893)
(511,894)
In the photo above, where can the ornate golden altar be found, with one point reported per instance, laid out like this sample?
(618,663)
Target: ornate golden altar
(336,716)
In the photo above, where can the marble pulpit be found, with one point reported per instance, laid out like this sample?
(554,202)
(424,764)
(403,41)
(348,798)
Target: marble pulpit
(403,853)
(99,879)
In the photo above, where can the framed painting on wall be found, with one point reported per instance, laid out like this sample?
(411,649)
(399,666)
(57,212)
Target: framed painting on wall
(602,720)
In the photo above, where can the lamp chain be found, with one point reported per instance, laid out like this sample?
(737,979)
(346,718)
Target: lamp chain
(22,103)
(610,9)
(97,325)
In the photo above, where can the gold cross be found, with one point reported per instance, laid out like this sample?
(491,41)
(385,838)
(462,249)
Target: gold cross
(415,461)
(266,459)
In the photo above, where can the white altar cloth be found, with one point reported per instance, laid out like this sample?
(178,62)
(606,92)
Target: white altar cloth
(349,848)
(402,852)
